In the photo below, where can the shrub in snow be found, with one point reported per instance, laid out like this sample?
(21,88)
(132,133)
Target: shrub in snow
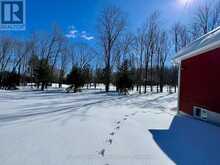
(9,80)
(76,79)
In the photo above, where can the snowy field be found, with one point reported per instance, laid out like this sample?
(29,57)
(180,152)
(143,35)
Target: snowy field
(94,128)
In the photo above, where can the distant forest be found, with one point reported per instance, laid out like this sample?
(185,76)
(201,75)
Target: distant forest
(121,58)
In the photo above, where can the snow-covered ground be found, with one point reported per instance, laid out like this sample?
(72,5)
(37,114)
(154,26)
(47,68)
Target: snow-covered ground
(94,128)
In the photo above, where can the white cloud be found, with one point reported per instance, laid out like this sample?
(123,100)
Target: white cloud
(72,33)
(86,37)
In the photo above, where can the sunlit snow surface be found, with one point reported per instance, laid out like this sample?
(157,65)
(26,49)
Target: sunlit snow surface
(95,128)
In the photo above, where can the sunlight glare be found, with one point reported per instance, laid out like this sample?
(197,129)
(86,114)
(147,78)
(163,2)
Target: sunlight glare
(185,2)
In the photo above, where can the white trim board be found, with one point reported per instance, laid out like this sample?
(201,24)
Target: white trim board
(205,49)
(179,85)
(203,44)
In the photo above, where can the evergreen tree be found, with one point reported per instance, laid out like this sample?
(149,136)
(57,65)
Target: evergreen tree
(9,80)
(44,73)
(76,79)
(124,80)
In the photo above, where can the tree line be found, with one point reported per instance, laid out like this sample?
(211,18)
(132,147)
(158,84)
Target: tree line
(127,60)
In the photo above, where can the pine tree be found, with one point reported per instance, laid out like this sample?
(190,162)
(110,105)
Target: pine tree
(124,80)
(44,73)
(76,79)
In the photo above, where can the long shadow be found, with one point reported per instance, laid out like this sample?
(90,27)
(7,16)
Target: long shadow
(47,94)
(66,109)
(190,142)
(36,110)
(153,103)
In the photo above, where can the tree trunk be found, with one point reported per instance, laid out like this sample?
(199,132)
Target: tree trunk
(60,85)
(42,86)
(140,89)
(151,74)
(46,85)
(107,76)
(38,85)
(145,87)
(107,87)
(161,79)
(146,77)
(170,91)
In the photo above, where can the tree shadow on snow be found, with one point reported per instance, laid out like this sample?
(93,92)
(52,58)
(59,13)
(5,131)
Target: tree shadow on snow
(65,111)
(189,142)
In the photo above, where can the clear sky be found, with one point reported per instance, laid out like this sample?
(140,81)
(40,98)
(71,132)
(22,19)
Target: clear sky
(78,18)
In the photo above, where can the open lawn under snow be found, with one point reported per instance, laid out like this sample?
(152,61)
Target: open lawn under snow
(95,128)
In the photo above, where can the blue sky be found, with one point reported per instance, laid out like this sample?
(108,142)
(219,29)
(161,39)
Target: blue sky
(78,18)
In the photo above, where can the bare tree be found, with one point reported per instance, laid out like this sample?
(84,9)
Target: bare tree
(63,65)
(123,49)
(140,51)
(163,48)
(84,55)
(48,48)
(207,17)
(59,46)
(6,52)
(110,24)
(152,37)
(22,52)
(180,38)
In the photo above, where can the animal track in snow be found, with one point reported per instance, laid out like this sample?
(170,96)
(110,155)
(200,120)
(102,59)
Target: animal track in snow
(112,134)
(110,141)
(102,152)
(133,114)
(117,128)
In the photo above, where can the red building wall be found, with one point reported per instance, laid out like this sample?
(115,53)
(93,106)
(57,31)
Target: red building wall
(200,82)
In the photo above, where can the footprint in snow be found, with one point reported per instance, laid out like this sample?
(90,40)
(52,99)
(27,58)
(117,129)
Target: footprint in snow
(117,128)
(118,122)
(126,115)
(110,141)
(133,114)
(102,152)
(112,134)
(125,118)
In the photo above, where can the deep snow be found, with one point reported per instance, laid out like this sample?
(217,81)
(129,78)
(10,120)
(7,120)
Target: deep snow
(94,128)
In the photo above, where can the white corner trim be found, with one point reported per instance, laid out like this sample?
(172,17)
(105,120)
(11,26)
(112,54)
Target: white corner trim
(179,86)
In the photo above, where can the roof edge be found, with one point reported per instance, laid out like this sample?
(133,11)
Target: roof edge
(200,51)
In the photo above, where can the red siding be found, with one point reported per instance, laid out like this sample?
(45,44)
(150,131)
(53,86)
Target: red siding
(200,82)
